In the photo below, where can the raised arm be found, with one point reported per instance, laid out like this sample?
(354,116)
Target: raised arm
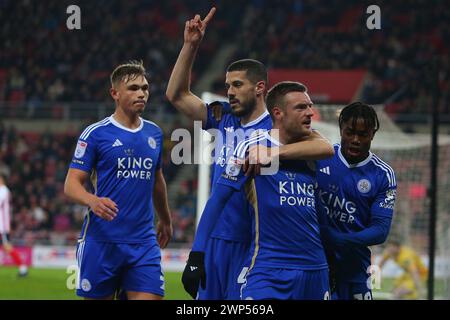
(179,87)
(194,273)
(211,215)
(164,228)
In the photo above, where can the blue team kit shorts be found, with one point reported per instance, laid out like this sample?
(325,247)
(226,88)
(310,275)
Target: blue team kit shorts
(105,267)
(352,291)
(286,284)
(224,261)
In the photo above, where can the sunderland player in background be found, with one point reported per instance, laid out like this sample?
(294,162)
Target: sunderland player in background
(5,227)
(286,259)
(246,82)
(121,156)
(356,198)
(410,284)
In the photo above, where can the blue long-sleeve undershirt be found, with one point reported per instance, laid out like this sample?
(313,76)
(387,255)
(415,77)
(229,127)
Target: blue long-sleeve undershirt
(210,215)
(374,234)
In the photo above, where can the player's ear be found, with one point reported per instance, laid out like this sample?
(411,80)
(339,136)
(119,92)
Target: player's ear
(260,88)
(114,93)
(277,112)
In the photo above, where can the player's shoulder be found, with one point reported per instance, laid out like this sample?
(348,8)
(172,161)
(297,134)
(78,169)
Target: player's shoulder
(152,126)
(383,168)
(94,128)
(256,137)
(323,163)
(264,121)
(336,147)
(375,159)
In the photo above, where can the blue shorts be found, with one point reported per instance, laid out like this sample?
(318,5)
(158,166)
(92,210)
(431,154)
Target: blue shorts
(224,261)
(105,267)
(286,284)
(352,291)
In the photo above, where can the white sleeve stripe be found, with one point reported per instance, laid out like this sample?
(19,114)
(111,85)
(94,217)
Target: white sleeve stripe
(384,164)
(242,144)
(388,173)
(92,127)
(89,130)
(242,147)
(79,260)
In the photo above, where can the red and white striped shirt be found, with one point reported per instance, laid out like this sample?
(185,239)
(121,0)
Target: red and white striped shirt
(5,213)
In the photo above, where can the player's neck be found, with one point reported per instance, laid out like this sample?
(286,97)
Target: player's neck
(353,161)
(126,120)
(255,114)
(278,133)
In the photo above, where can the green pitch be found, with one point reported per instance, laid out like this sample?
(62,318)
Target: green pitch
(51,284)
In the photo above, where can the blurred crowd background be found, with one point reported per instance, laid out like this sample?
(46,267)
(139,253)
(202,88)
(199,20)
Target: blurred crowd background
(50,74)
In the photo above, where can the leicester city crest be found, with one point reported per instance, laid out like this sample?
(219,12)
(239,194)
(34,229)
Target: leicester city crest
(152,142)
(86,285)
(364,185)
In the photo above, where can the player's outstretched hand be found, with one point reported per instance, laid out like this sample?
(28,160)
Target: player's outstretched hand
(217,111)
(194,29)
(105,208)
(194,273)
(164,231)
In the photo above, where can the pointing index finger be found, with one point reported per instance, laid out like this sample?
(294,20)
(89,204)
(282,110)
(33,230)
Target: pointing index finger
(209,15)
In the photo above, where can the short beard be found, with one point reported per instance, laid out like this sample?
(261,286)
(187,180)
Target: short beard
(247,108)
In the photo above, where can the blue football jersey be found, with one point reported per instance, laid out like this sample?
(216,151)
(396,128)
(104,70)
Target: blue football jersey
(235,221)
(348,195)
(285,226)
(122,163)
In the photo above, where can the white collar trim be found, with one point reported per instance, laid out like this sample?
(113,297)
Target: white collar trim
(117,124)
(354,165)
(259,119)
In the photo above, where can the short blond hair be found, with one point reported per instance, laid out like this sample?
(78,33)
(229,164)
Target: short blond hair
(128,71)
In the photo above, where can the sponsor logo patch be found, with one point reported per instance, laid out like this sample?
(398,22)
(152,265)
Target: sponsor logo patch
(81,149)
(233,167)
